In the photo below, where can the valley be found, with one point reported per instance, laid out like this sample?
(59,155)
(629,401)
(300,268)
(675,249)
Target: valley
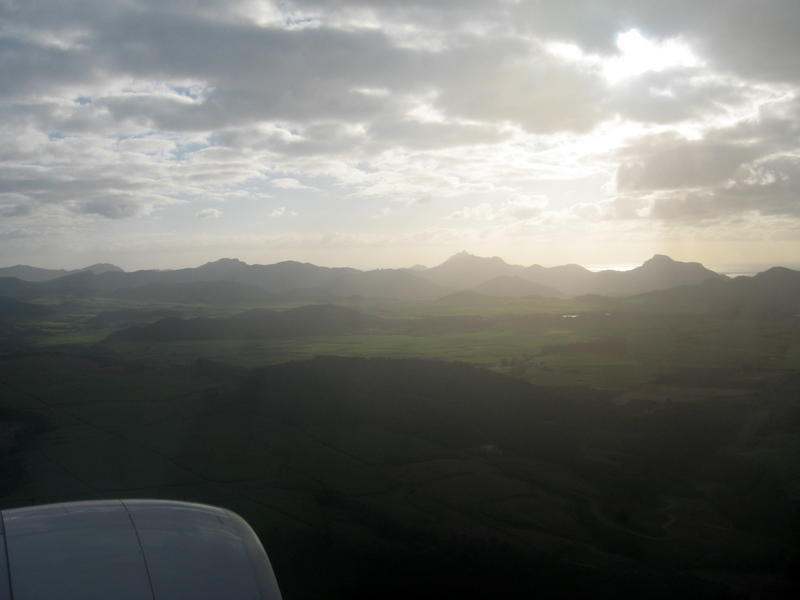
(578,446)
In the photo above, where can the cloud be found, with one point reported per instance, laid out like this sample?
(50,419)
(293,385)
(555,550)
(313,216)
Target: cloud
(766,187)
(289,183)
(282,211)
(676,95)
(749,167)
(113,207)
(750,39)
(209,213)
(112,109)
(518,208)
(670,162)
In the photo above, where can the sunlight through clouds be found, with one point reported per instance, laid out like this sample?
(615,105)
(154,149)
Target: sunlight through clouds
(639,55)
(126,119)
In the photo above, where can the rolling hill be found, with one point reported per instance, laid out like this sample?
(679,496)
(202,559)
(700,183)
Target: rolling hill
(324,319)
(772,293)
(28,273)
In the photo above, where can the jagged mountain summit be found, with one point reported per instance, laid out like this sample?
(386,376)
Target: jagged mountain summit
(465,271)
(232,281)
(659,272)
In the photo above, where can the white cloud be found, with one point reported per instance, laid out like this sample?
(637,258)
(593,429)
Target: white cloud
(638,55)
(209,213)
(518,208)
(119,110)
(288,183)
(282,211)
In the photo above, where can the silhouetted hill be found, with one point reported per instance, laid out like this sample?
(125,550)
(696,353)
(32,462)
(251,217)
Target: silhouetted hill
(229,281)
(510,286)
(125,317)
(11,309)
(14,287)
(274,278)
(295,281)
(463,407)
(464,271)
(773,293)
(28,273)
(660,272)
(77,284)
(203,292)
(15,317)
(427,479)
(289,279)
(571,280)
(322,319)
(396,284)
(100,268)
(466,298)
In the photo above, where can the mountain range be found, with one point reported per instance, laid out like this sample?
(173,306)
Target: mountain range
(772,293)
(231,281)
(28,273)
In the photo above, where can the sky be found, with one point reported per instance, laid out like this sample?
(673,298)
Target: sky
(164,134)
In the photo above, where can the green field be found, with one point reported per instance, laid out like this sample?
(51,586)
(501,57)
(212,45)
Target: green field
(609,444)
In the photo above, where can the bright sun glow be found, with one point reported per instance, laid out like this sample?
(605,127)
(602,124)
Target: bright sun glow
(639,55)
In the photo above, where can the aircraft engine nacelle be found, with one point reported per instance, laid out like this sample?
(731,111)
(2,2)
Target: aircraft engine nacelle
(131,550)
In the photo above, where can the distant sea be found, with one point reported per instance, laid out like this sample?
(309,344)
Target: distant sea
(611,267)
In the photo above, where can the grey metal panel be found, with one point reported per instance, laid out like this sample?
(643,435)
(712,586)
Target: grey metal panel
(131,550)
(5,584)
(265,576)
(82,550)
(198,552)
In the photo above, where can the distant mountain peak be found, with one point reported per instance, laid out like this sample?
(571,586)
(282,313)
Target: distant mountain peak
(99,268)
(664,261)
(465,257)
(459,256)
(659,259)
(777,273)
(226,262)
